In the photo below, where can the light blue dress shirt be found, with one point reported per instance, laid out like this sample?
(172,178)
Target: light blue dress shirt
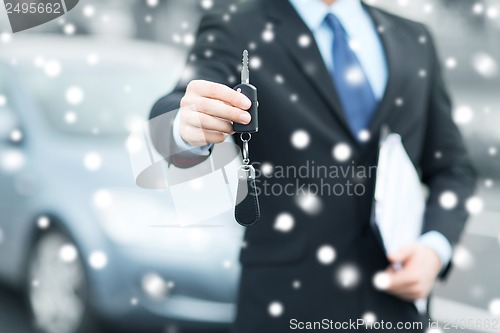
(365,42)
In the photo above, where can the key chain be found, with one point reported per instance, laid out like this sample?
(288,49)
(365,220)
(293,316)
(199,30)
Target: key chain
(247,209)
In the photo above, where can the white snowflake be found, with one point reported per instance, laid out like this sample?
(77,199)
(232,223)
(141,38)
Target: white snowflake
(69,29)
(304,40)
(275,309)
(451,63)
(255,63)
(364,135)
(43,222)
(12,160)
(369,318)
(296,284)
(462,258)
(381,280)
(399,101)
(68,253)
(309,202)
(52,68)
(342,152)
(478,8)
(98,260)
(152,3)
(403,3)
(154,286)
(354,44)
(16,135)
(348,276)
(74,95)
(267,169)
(3,100)
(39,61)
(284,222)
(492,12)
(448,200)
(463,114)
(5,37)
(92,161)
(474,205)
(279,79)
(70,117)
(102,199)
(422,73)
(494,307)
(88,11)
(300,139)
(485,65)
(428,8)
(1,236)
(422,39)
(294,98)
(268,35)
(354,76)
(134,301)
(188,39)
(488,183)
(207,4)
(492,151)
(326,254)
(93,59)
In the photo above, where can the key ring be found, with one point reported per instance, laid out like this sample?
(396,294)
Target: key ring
(246,155)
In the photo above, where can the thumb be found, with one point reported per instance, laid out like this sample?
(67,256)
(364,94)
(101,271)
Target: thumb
(401,255)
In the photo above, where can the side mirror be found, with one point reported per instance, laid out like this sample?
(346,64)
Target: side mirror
(9,127)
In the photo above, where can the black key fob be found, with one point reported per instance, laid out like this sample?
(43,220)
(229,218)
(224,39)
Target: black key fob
(251,92)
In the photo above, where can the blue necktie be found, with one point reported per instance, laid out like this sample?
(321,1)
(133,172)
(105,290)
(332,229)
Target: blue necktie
(354,90)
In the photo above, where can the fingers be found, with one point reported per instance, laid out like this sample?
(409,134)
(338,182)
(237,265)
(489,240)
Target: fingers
(219,109)
(206,122)
(220,92)
(199,137)
(402,255)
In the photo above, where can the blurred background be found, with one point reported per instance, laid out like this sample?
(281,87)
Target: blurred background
(74,228)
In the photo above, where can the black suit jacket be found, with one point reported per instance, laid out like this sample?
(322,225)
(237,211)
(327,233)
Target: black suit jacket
(307,100)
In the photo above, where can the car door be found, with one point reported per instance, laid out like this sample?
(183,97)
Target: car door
(12,165)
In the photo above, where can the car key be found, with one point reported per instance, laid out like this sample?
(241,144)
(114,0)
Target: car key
(247,209)
(251,92)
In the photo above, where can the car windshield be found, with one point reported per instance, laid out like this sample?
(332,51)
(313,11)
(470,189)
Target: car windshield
(107,99)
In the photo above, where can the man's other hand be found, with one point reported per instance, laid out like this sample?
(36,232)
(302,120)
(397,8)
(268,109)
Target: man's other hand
(419,268)
(208,111)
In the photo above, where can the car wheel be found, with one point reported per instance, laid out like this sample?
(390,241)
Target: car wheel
(57,286)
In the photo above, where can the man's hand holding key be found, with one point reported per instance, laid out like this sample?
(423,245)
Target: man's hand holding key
(208,110)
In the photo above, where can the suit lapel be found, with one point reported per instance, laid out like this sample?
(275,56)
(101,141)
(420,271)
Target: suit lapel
(392,45)
(305,54)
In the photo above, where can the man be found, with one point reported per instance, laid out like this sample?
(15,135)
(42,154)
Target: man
(329,74)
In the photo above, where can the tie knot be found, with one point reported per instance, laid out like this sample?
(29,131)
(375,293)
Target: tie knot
(334,24)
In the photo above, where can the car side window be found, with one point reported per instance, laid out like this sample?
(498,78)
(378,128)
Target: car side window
(9,121)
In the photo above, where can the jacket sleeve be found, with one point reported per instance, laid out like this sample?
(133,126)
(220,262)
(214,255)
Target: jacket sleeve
(446,167)
(213,57)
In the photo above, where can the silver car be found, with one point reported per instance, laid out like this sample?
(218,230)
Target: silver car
(76,232)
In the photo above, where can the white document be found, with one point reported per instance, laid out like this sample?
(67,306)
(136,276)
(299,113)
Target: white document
(399,196)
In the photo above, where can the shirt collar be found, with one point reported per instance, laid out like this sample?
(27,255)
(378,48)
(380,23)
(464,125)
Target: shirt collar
(313,12)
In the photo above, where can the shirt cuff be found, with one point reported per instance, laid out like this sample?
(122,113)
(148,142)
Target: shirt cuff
(183,145)
(439,244)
